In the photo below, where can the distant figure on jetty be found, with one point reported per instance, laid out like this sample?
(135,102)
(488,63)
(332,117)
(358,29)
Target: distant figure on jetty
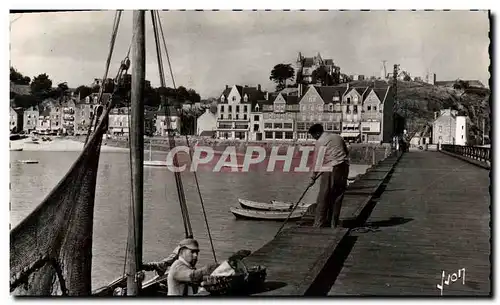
(334,182)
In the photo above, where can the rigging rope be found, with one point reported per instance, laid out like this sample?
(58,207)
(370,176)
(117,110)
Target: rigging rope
(187,140)
(178,180)
(114,32)
(295,206)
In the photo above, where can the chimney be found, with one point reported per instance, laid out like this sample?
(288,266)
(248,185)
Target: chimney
(258,87)
(434,81)
(300,90)
(267,96)
(227,87)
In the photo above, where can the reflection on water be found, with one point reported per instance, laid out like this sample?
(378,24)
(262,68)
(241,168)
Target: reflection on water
(163,226)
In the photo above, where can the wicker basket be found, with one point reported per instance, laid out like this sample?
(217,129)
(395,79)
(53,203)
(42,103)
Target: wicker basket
(238,284)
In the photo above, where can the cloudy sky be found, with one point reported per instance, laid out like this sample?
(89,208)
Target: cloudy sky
(211,49)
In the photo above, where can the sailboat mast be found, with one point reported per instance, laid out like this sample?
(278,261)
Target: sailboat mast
(134,250)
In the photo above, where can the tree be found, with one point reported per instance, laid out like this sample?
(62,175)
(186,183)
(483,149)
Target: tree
(41,86)
(17,78)
(280,74)
(407,78)
(321,75)
(25,101)
(62,90)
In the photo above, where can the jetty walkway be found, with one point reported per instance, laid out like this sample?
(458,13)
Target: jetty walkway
(416,225)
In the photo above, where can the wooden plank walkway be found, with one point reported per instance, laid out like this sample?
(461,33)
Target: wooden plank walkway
(296,259)
(433,216)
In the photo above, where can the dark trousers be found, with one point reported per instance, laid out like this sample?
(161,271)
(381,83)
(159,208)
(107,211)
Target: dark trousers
(331,193)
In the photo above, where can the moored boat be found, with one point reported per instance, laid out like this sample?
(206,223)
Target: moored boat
(156,163)
(28,161)
(266,215)
(16,149)
(274,205)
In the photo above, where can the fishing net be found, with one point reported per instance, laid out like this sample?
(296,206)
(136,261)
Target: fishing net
(51,249)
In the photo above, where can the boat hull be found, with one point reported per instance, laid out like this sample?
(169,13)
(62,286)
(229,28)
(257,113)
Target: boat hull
(265,215)
(156,163)
(272,206)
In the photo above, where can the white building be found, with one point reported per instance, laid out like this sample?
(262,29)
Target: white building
(461,130)
(206,122)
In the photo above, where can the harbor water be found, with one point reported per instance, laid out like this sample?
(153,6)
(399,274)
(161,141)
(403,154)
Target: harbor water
(163,226)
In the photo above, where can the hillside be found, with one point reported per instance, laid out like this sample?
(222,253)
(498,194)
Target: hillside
(418,101)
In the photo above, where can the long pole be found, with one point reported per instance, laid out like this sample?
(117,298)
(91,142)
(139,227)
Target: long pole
(134,250)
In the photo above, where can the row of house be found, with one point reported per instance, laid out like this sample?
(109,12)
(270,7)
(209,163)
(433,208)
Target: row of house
(363,114)
(74,117)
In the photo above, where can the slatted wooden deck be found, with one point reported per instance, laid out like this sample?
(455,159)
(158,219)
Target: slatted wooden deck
(433,216)
(296,259)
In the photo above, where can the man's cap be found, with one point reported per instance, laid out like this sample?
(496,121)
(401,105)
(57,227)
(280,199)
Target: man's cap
(189,243)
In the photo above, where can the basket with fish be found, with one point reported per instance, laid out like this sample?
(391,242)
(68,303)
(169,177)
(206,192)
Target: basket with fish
(233,277)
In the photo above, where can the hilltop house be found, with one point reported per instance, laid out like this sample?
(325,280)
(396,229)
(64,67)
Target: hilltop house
(450,128)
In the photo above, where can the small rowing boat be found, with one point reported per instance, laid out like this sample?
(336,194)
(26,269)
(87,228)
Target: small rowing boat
(16,149)
(156,163)
(266,215)
(28,161)
(274,205)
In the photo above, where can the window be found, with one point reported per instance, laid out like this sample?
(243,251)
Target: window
(245,98)
(268,125)
(255,127)
(229,108)
(245,116)
(312,99)
(288,135)
(255,117)
(366,128)
(355,110)
(440,129)
(237,108)
(330,107)
(462,129)
(245,109)
(348,100)
(257,107)
(222,116)
(374,108)
(230,116)
(301,126)
(369,108)
(237,116)
(278,125)
(269,134)
(287,125)
(234,98)
(221,107)
(328,126)
(462,136)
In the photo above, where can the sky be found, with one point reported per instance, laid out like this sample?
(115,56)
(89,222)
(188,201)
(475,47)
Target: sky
(209,50)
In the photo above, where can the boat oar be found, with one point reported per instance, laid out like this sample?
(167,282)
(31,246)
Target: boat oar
(295,206)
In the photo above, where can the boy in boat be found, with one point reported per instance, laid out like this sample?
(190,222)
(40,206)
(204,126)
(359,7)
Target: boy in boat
(333,182)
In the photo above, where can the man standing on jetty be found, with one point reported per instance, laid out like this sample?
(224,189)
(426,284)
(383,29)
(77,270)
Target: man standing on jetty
(333,182)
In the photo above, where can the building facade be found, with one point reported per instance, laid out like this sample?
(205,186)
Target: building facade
(444,127)
(206,122)
(233,111)
(30,119)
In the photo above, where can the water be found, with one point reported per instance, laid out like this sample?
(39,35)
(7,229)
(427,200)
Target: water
(163,226)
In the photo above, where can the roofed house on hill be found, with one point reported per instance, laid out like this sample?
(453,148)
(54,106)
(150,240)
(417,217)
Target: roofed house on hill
(305,66)
(233,111)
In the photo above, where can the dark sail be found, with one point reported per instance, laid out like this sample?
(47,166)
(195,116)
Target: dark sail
(51,249)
